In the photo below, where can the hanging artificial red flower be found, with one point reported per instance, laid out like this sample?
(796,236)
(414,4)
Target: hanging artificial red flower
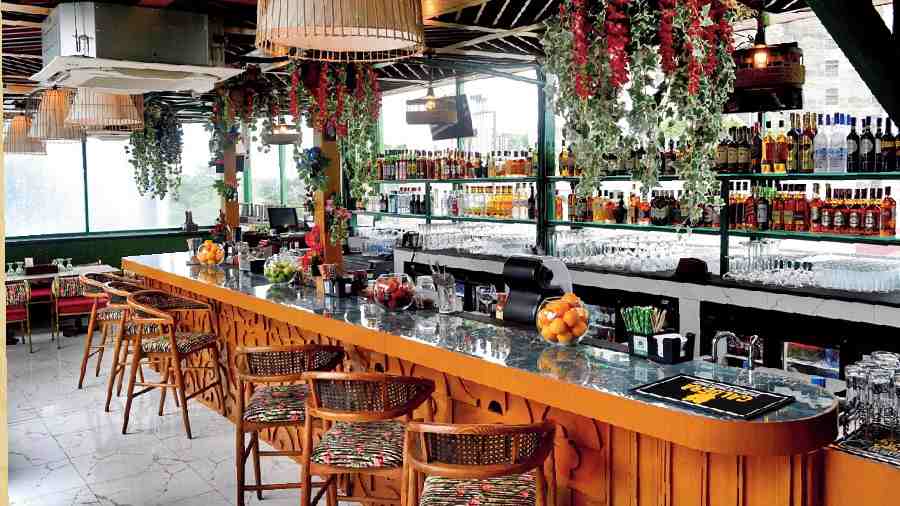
(375,99)
(666,37)
(712,34)
(694,32)
(322,116)
(340,123)
(295,101)
(580,30)
(617,39)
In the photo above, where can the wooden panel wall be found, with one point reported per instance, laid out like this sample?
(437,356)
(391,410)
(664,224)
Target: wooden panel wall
(596,464)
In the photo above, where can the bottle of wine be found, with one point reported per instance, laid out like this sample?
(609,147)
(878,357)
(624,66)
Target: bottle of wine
(853,148)
(867,147)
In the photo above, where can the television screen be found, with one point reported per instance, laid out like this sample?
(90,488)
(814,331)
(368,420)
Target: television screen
(463,125)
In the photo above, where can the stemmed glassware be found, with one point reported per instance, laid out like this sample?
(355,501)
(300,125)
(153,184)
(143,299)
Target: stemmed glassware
(69,264)
(20,268)
(10,270)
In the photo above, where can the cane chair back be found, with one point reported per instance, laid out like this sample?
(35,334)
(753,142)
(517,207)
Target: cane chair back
(158,307)
(119,291)
(97,280)
(67,286)
(478,451)
(18,293)
(275,364)
(364,397)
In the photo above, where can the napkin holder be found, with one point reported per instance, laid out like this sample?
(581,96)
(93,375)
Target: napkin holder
(664,348)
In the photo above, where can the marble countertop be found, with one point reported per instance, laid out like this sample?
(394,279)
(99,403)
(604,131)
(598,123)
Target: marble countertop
(513,347)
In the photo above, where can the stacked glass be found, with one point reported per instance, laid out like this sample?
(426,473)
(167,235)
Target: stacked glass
(873,392)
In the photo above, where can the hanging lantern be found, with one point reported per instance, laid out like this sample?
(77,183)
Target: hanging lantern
(49,123)
(105,114)
(345,31)
(282,133)
(17,142)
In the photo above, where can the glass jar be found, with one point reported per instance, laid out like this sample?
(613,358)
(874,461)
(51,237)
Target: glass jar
(280,268)
(563,320)
(394,292)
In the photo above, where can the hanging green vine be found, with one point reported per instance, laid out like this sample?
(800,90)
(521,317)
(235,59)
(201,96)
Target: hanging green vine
(155,152)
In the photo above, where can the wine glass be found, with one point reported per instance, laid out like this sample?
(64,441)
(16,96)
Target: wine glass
(486,295)
(10,270)
(69,264)
(20,268)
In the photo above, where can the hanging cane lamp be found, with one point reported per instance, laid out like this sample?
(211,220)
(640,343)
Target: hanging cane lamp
(49,122)
(17,142)
(106,113)
(340,30)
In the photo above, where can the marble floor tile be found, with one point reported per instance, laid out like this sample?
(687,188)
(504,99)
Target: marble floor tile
(34,481)
(125,462)
(81,496)
(157,487)
(88,442)
(30,445)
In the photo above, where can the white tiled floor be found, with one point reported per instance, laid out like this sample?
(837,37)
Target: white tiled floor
(65,450)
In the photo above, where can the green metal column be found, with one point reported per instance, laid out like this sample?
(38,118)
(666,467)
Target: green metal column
(87,211)
(282,177)
(459,91)
(546,159)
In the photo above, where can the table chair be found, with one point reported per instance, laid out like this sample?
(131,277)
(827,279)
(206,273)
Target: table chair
(362,435)
(271,377)
(484,464)
(18,295)
(69,300)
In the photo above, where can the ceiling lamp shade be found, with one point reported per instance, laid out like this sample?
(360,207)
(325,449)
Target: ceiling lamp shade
(17,142)
(49,123)
(340,30)
(282,134)
(106,113)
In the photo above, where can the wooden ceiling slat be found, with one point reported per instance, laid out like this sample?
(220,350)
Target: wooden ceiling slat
(500,14)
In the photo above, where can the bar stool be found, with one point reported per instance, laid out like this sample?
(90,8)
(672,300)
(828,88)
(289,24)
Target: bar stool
(126,330)
(18,295)
(170,348)
(361,435)
(280,403)
(484,464)
(102,316)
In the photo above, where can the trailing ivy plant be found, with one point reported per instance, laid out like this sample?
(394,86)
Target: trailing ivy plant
(155,152)
(628,70)
(226,191)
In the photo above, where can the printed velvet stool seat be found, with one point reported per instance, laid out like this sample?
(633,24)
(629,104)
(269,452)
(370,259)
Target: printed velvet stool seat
(172,351)
(18,296)
(362,434)
(479,464)
(271,379)
(102,316)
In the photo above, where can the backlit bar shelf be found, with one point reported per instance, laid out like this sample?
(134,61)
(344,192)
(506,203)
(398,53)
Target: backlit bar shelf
(815,236)
(631,226)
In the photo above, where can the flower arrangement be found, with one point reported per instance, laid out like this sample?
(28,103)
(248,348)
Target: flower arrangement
(344,102)
(338,222)
(311,166)
(628,70)
(313,256)
(155,152)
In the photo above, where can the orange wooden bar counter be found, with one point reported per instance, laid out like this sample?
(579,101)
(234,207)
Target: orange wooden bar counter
(614,447)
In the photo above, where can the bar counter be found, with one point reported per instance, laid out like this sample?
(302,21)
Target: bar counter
(614,447)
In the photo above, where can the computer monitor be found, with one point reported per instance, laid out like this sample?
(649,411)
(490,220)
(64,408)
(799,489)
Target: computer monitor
(282,218)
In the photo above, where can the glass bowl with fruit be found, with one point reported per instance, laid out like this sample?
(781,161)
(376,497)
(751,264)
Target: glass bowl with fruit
(563,320)
(280,269)
(394,292)
(210,254)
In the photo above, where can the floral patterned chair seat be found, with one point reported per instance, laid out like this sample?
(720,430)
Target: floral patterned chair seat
(187,342)
(360,445)
(513,490)
(277,403)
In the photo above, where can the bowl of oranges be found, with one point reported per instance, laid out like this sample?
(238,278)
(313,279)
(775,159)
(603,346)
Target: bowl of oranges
(210,253)
(563,320)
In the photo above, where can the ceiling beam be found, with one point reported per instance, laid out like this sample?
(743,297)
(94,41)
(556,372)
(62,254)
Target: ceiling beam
(495,35)
(432,11)
(541,12)
(24,9)
(480,69)
(484,54)
(502,10)
(23,55)
(237,30)
(485,29)
(28,24)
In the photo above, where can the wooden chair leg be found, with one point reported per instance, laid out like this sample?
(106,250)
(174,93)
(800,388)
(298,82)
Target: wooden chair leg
(88,342)
(540,487)
(132,377)
(331,497)
(217,376)
(118,364)
(165,379)
(257,472)
(103,337)
(28,329)
(306,491)
(179,387)
(239,462)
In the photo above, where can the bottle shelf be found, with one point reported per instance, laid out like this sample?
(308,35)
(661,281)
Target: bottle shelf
(631,226)
(390,215)
(816,176)
(501,179)
(622,177)
(815,236)
(484,219)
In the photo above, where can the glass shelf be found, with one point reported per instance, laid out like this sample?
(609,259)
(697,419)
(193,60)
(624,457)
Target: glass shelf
(390,215)
(630,226)
(622,177)
(484,219)
(809,236)
(517,179)
(821,176)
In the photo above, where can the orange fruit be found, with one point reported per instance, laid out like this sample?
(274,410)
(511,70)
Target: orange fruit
(558,326)
(579,329)
(565,337)
(571,299)
(548,334)
(582,313)
(559,307)
(571,317)
(542,319)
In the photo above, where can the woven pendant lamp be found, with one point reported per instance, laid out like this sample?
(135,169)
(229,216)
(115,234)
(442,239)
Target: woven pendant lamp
(340,30)
(17,142)
(105,113)
(49,123)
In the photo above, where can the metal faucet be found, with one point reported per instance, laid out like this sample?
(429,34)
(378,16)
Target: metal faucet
(722,334)
(754,339)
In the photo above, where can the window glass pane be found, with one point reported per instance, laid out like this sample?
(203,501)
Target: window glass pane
(45,194)
(115,204)
(398,134)
(265,174)
(295,193)
(504,114)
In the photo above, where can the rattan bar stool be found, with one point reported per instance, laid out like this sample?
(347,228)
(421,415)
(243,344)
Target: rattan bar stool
(102,316)
(362,435)
(125,331)
(172,351)
(276,393)
(484,464)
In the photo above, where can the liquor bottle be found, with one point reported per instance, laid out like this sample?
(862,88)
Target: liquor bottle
(781,151)
(749,220)
(620,211)
(801,211)
(842,212)
(872,214)
(558,206)
(888,214)
(827,212)
(743,150)
(789,209)
(644,214)
(722,155)
(879,152)
(837,157)
(732,149)
(807,139)
(755,150)
(609,208)
(570,203)
(867,160)
(888,149)
(762,209)
(820,145)
(815,211)
(793,146)
(854,223)
(853,148)
(776,210)
(769,149)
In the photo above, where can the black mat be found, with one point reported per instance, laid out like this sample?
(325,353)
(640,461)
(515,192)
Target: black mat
(714,396)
